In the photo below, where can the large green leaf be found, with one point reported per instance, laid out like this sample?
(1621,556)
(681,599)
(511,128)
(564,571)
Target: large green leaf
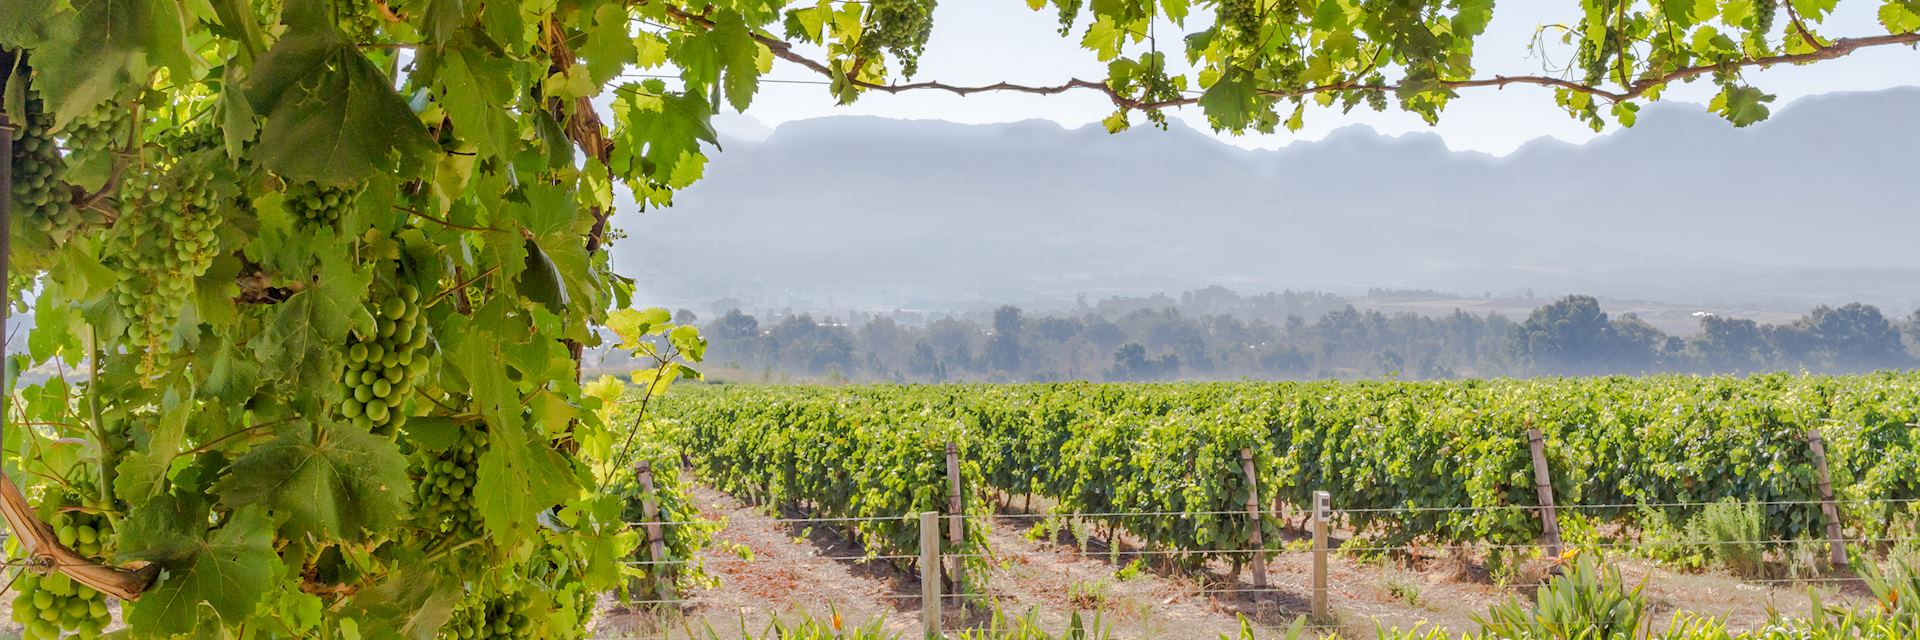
(332,117)
(332,482)
(412,603)
(304,334)
(98,47)
(476,84)
(225,570)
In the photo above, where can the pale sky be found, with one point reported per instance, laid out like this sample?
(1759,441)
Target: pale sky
(985,41)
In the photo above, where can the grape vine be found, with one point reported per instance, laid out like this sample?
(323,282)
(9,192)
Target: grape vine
(900,27)
(289,244)
(502,617)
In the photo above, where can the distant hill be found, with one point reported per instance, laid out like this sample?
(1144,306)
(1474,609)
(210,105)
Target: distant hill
(1815,205)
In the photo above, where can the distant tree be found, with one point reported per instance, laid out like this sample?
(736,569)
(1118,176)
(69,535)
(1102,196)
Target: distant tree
(685,316)
(831,355)
(925,364)
(1003,349)
(1856,336)
(1796,344)
(1637,346)
(1284,360)
(885,339)
(1911,330)
(1571,335)
(1056,330)
(1103,333)
(1130,362)
(953,339)
(1734,345)
(734,326)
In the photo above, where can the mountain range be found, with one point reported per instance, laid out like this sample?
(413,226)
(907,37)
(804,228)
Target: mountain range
(1815,205)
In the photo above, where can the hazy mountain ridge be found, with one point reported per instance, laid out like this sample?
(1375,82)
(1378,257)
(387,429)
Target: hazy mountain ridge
(1814,205)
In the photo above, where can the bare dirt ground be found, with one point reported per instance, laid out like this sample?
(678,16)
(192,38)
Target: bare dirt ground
(766,566)
(1049,574)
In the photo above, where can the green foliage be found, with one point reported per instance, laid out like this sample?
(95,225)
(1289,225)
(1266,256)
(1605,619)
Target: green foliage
(1587,601)
(874,463)
(1735,535)
(291,170)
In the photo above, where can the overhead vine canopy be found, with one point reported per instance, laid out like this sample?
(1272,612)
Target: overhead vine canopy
(311,280)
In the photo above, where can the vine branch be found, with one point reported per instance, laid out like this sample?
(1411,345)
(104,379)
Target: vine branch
(1838,48)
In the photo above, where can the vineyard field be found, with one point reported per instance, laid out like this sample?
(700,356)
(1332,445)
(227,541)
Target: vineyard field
(1447,460)
(1408,465)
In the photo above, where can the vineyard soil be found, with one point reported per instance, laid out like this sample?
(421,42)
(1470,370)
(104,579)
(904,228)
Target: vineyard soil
(767,568)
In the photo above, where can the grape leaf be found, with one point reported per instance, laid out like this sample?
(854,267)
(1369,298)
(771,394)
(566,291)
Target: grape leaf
(332,117)
(1472,18)
(1229,102)
(103,45)
(609,47)
(412,603)
(140,471)
(305,332)
(739,56)
(25,22)
(1741,105)
(539,281)
(226,569)
(333,482)
(519,475)
(660,131)
(476,84)
(164,529)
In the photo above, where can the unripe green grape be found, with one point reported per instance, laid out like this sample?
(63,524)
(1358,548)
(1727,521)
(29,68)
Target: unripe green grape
(41,197)
(100,130)
(318,205)
(443,478)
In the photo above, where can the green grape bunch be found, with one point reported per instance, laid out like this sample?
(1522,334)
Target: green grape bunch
(320,205)
(359,20)
(39,193)
(51,605)
(382,367)
(502,617)
(99,131)
(445,480)
(900,27)
(166,239)
(1243,16)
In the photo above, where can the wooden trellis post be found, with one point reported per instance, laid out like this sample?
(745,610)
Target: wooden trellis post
(930,613)
(1322,512)
(1543,485)
(656,540)
(1253,512)
(1836,544)
(956,524)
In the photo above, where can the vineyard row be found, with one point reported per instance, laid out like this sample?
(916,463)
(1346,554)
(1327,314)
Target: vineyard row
(1445,463)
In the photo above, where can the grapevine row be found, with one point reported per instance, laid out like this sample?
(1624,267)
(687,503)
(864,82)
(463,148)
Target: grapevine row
(1434,462)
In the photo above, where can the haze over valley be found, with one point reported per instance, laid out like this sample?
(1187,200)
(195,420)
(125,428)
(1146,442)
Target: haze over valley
(1680,209)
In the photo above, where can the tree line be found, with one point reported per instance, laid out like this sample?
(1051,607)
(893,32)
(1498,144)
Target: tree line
(1318,336)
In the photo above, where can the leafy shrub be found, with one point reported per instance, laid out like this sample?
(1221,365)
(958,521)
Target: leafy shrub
(1588,601)
(1735,536)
